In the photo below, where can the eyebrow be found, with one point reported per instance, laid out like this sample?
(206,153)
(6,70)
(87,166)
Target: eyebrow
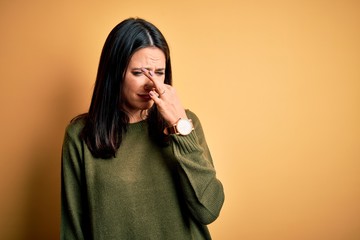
(157,69)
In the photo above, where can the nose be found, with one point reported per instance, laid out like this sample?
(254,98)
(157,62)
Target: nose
(149,85)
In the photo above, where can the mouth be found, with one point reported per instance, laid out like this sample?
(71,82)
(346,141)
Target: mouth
(145,96)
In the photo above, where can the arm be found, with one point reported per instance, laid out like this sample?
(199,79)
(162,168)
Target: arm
(71,186)
(203,192)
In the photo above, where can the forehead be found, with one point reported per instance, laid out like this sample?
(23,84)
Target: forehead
(149,56)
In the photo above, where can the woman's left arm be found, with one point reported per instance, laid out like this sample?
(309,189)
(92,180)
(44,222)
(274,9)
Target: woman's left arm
(203,192)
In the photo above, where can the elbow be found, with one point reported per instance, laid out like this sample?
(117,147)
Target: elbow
(208,210)
(205,216)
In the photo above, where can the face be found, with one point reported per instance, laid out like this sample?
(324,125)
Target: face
(136,85)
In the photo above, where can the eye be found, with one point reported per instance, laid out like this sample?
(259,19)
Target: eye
(137,73)
(160,73)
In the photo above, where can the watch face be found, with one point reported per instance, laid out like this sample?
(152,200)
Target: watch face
(184,126)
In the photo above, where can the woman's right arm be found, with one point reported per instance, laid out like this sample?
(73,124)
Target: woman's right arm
(72,224)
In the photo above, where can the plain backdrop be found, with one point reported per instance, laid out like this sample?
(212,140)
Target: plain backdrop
(276,85)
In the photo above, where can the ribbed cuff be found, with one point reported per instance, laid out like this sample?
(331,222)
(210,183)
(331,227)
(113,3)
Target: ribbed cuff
(186,144)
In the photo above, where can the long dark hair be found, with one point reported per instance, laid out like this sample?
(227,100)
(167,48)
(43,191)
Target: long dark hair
(106,122)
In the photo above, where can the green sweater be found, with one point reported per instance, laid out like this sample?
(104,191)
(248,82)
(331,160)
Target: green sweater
(145,192)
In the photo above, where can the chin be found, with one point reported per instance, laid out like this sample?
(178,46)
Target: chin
(147,105)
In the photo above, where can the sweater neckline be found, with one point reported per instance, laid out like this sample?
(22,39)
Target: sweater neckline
(137,125)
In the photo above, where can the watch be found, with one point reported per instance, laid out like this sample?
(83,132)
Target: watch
(181,127)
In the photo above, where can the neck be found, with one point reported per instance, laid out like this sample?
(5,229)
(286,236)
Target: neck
(137,117)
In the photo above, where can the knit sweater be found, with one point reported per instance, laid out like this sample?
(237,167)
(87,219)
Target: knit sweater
(145,192)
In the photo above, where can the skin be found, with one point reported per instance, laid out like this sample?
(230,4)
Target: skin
(144,86)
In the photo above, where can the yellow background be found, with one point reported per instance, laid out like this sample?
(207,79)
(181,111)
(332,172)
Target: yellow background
(275,83)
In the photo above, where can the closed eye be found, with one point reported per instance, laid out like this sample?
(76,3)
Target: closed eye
(160,73)
(137,73)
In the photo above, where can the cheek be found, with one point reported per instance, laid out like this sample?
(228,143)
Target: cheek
(131,83)
(162,78)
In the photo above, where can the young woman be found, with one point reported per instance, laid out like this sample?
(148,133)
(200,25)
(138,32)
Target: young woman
(137,165)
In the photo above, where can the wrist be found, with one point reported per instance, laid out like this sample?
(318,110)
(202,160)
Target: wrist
(183,126)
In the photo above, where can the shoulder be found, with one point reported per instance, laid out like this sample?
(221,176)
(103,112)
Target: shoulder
(75,127)
(197,125)
(194,118)
(72,148)
(190,114)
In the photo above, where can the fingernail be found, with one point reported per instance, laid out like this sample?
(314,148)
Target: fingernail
(150,73)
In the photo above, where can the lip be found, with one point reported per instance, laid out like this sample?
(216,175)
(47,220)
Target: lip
(145,96)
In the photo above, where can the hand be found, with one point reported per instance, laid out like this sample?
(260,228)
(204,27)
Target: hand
(166,99)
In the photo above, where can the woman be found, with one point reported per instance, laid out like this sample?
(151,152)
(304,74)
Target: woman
(137,166)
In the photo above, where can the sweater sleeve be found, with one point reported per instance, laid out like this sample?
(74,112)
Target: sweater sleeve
(71,186)
(204,194)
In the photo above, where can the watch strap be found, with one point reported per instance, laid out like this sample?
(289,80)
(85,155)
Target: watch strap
(172,130)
